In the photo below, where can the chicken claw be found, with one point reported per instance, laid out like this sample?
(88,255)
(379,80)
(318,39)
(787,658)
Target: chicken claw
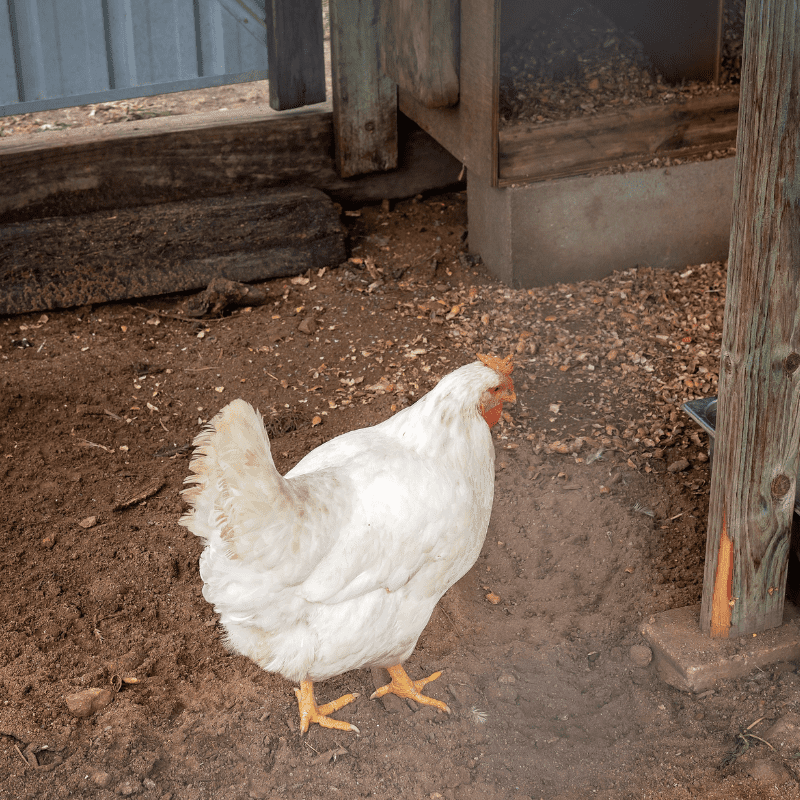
(311,712)
(403,686)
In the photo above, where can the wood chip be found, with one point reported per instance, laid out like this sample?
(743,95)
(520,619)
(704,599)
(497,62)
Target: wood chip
(140,494)
(329,755)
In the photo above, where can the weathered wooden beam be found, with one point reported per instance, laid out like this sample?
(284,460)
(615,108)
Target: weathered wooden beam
(420,43)
(190,156)
(139,252)
(575,146)
(468,130)
(295,53)
(364,100)
(757,448)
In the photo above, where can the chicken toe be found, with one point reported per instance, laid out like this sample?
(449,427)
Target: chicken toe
(403,686)
(311,712)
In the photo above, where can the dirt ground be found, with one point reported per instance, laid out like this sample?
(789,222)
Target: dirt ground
(599,522)
(591,534)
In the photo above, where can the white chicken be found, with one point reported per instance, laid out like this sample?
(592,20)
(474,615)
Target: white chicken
(339,564)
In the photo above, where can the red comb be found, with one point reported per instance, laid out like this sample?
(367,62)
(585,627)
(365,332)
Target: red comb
(503,366)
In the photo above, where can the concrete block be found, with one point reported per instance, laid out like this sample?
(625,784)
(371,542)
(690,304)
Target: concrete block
(585,227)
(691,661)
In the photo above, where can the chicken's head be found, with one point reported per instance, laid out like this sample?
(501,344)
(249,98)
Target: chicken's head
(491,403)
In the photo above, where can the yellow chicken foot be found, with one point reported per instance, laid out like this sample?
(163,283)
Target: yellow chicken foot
(311,712)
(403,686)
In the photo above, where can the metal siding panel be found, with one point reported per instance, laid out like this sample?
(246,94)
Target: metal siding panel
(105,50)
(119,43)
(47,31)
(248,40)
(164,37)
(75,61)
(235,36)
(26,28)
(9,93)
(250,21)
(212,42)
(111,95)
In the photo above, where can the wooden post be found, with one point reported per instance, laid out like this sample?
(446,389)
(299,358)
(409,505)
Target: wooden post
(295,53)
(758,419)
(468,130)
(364,99)
(420,43)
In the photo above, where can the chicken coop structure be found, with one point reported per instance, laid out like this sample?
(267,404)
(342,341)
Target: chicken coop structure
(550,198)
(547,198)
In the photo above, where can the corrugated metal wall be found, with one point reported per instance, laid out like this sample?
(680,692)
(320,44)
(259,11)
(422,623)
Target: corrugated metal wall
(57,53)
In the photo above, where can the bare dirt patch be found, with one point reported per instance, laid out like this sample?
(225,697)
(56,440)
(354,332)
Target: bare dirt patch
(539,643)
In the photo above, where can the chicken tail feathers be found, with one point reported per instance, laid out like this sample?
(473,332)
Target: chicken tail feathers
(234,484)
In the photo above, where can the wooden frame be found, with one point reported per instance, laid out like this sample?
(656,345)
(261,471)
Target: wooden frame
(535,152)
(586,144)
(469,130)
(364,100)
(182,157)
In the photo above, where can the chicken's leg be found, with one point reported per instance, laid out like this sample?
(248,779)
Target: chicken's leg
(311,712)
(403,686)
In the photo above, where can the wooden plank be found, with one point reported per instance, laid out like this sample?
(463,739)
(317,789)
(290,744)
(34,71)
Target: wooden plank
(59,262)
(576,146)
(364,100)
(295,53)
(757,448)
(420,48)
(191,156)
(469,129)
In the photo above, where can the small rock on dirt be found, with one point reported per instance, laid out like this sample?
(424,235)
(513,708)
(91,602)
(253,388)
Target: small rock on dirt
(89,701)
(768,772)
(98,777)
(129,788)
(641,655)
(307,325)
(785,733)
(678,466)
(459,693)
(503,693)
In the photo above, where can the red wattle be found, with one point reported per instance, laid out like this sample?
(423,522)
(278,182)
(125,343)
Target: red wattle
(492,415)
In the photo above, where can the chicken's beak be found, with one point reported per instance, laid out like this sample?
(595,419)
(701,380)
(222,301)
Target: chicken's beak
(506,393)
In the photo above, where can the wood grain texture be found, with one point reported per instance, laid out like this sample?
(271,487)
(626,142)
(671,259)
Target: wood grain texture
(364,100)
(295,53)
(60,262)
(758,433)
(191,156)
(469,129)
(585,144)
(420,48)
